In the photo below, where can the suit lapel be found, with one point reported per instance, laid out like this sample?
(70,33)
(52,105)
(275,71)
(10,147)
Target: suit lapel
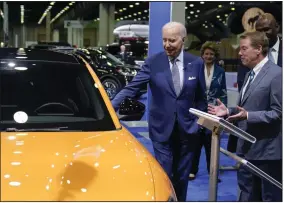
(185,73)
(256,81)
(279,61)
(242,89)
(214,77)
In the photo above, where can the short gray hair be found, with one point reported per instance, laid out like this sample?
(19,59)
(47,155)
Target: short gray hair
(181,27)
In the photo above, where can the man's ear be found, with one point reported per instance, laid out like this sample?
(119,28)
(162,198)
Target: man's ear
(277,27)
(259,49)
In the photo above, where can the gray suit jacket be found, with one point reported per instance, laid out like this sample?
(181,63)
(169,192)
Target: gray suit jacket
(263,101)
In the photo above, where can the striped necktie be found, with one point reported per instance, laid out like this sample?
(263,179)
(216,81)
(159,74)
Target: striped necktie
(176,77)
(251,76)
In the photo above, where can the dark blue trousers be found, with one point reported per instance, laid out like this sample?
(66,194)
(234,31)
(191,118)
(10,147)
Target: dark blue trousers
(175,157)
(254,189)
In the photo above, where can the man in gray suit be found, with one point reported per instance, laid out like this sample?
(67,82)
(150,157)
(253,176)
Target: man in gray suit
(259,112)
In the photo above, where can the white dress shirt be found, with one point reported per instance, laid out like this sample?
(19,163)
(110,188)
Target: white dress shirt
(179,63)
(208,79)
(274,51)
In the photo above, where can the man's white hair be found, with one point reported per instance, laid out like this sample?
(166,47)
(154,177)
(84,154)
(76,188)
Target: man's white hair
(178,25)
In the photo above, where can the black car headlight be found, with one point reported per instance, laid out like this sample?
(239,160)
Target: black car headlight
(127,72)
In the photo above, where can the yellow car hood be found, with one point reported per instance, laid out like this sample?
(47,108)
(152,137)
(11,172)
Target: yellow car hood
(75,166)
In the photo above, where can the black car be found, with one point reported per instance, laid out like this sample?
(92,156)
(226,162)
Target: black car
(51,46)
(113,73)
(50,86)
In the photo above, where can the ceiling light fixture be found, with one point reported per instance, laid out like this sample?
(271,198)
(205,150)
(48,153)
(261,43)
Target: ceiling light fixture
(191,5)
(131,6)
(226,15)
(188,17)
(66,8)
(186,7)
(233,9)
(22,14)
(191,12)
(220,6)
(137,3)
(218,16)
(198,11)
(45,12)
(202,2)
(1,13)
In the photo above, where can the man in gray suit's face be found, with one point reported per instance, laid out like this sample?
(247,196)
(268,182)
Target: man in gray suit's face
(250,55)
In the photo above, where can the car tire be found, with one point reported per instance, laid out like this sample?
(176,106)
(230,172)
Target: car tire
(112,87)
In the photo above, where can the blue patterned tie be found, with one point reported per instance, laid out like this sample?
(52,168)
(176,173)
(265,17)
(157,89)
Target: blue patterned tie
(251,76)
(176,77)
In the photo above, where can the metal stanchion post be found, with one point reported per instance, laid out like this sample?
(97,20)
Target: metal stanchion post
(214,164)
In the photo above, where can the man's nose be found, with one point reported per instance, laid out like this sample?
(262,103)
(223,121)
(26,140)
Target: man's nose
(167,44)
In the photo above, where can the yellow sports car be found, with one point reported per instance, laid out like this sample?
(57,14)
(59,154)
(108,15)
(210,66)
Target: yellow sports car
(61,140)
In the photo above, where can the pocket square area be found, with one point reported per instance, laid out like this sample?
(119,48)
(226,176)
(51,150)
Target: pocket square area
(191,78)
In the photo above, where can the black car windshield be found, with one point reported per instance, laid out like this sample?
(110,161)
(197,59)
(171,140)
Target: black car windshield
(106,58)
(51,95)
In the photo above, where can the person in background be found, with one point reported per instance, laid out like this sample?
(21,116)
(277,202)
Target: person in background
(123,53)
(259,112)
(215,89)
(176,84)
(266,23)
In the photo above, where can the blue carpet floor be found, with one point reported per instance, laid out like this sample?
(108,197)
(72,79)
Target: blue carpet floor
(198,188)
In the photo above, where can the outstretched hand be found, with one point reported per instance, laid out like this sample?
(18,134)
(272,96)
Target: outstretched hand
(220,110)
(242,115)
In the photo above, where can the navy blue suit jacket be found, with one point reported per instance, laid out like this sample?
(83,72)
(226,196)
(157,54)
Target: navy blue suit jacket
(166,107)
(218,89)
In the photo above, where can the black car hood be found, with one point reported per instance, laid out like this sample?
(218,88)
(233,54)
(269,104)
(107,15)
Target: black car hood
(131,67)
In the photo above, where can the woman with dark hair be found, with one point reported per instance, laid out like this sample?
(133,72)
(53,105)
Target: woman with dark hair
(215,89)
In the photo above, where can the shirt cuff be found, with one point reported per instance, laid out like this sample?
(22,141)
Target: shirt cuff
(228,113)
